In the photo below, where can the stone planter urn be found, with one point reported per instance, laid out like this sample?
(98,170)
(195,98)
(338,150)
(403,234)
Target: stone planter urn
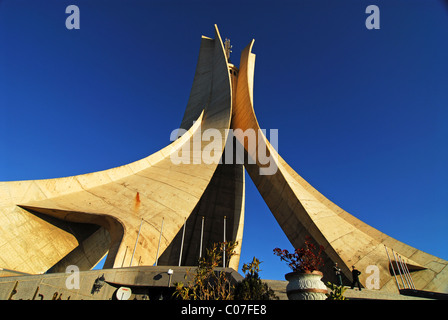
(305,286)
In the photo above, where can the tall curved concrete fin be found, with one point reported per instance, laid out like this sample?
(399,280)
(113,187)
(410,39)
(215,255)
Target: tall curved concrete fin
(130,201)
(223,200)
(302,211)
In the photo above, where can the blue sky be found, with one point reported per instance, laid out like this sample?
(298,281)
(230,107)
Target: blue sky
(362,114)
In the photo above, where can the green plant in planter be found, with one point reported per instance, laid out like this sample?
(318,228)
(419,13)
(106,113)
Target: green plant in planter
(337,292)
(252,287)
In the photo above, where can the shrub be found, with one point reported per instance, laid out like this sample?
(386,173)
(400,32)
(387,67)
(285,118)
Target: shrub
(336,293)
(209,284)
(252,287)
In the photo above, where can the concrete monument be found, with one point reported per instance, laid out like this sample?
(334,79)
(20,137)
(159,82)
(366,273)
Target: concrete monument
(165,212)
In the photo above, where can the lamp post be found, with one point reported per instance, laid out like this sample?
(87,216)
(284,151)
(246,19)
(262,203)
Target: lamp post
(170,273)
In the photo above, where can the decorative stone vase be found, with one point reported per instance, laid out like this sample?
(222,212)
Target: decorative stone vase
(305,286)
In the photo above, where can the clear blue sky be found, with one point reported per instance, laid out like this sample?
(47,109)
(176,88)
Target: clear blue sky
(362,114)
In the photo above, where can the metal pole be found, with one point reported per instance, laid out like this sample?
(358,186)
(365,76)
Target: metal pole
(405,273)
(202,236)
(158,247)
(224,249)
(411,282)
(410,277)
(393,270)
(125,252)
(398,267)
(136,240)
(182,244)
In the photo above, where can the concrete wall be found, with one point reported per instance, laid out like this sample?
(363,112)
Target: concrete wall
(141,280)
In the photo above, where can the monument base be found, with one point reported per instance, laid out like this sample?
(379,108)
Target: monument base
(143,283)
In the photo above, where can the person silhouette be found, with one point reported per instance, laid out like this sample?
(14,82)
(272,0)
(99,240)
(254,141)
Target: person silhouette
(355,275)
(338,273)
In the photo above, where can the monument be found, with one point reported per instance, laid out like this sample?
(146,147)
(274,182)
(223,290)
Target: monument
(165,209)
